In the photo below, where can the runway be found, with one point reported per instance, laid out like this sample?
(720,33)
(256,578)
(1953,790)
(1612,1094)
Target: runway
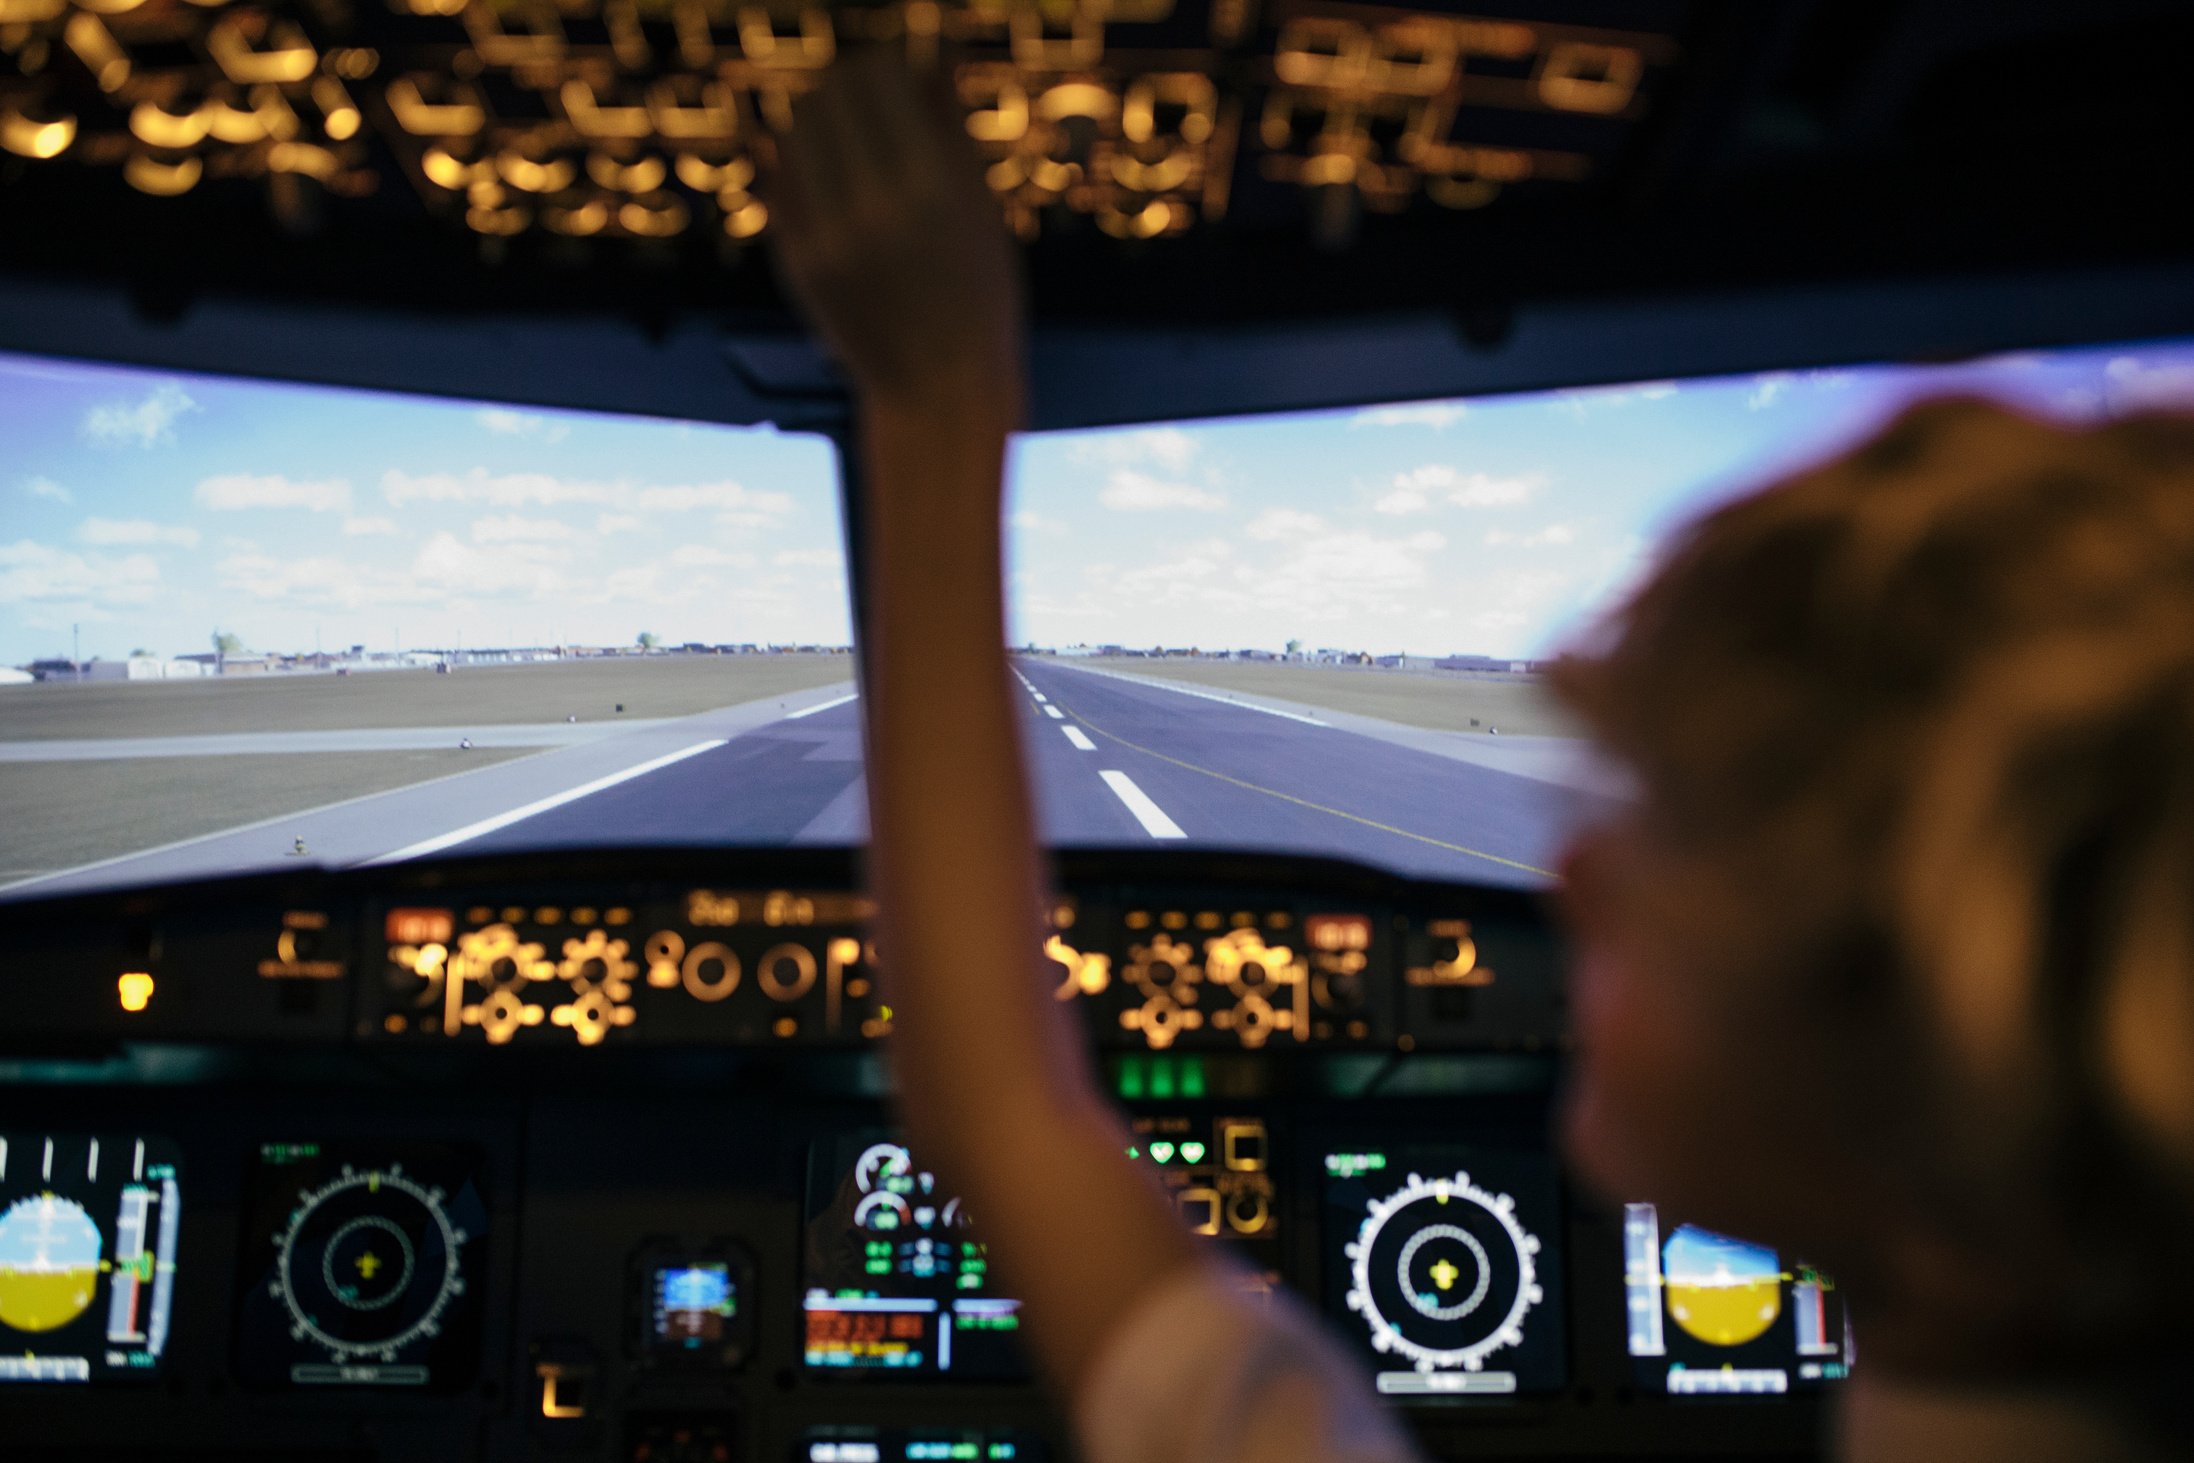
(1118,761)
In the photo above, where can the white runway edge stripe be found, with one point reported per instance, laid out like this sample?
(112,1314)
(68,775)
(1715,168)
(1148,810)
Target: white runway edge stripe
(1161,684)
(516,815)
(821,706)
(1149,814)
(1054,713)
(1074,735)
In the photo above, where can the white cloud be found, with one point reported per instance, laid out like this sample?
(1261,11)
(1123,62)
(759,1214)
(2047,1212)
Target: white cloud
(1586,399)
(1438,415)
(31,572)
(1402,500)
(111,532)
(1168,447)
(542,490)
(1463,489)
(706,556)
(366,527)
(510,528)
(48,488)
(1769,388)
(237,491)
(1137,492)
(504,422)
(2138,385)
(1554,535)
(606,524)
(143,423)
(1284,523)
(808,559)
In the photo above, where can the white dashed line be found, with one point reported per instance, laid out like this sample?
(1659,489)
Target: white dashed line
(820,706)
(571,795)
(1149,814)
(1074,735)
(1054,713)
(1041,698)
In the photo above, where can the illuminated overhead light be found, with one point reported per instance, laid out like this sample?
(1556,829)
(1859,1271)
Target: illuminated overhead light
(1160,177)
(158,127)
(341,116)
(644,176)
(811,49)
(1006,176)
(1005,118)
(1191,91)
(135,989)
(1075,99)
(747,220)
(422,118)
(520,171)
(445,171)
(96,47)
(594,120)
(162,180)
(585,221)
(714,115)
(703,176)
(1577,76)
(496,222)
(27,138)
(26,12)
(288,57)
(1035,49)
(304,158)
(654,218)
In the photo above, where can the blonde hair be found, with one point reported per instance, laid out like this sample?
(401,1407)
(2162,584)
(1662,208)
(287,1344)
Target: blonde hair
(1931,707)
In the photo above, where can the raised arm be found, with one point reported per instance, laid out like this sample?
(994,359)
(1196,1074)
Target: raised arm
(889,240)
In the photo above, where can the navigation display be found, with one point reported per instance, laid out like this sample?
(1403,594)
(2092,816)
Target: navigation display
(248,625)
(1711,1316)
(87,1255)
(1443,1261)
(896,1282)
(697,1311)
(363,1266)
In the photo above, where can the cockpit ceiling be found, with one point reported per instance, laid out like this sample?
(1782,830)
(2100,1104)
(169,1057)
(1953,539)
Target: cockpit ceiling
(647,121)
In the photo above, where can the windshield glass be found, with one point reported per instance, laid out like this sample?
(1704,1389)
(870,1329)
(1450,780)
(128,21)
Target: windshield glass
(247,626)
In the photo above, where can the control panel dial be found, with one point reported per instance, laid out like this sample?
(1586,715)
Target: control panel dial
(1444,1273)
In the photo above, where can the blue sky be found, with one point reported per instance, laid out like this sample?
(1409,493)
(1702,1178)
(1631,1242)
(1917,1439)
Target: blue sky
(153,509)
(1497,526)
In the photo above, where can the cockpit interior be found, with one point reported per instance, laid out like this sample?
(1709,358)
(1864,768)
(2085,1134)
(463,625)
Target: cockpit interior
(441,1016)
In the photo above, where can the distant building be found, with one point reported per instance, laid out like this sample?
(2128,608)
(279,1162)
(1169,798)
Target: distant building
(143,668)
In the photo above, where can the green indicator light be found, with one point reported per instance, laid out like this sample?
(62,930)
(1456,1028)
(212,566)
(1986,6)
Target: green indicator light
(1001,1450)
(965,1450)
(1192,1153)
(1349,1165)
(1133,1151)
(1131,1077)
(1161,1077)
(1192,1076)
(1161,1151)
(879,1267)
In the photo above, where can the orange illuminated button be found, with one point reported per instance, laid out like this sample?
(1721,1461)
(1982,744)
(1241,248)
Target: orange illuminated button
(421,926)
(135,990)
(1338,931)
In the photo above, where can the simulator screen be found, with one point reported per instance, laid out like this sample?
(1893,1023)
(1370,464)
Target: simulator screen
(245,625)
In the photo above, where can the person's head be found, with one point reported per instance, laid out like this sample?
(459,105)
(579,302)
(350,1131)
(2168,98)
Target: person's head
(1892,959)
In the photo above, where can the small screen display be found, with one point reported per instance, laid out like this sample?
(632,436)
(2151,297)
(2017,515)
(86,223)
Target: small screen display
(87,1255)
(920,1445)
(1443,1262)
(363,1266)
(696,1307)
(896,1283)
(1711,1316)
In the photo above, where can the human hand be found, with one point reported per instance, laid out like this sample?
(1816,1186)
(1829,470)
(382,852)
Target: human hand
(888,239)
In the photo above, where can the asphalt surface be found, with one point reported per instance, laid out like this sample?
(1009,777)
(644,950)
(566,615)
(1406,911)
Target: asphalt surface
(1118,761)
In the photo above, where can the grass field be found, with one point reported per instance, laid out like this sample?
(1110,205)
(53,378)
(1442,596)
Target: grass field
(62,814)
(671,685)
(1517,705)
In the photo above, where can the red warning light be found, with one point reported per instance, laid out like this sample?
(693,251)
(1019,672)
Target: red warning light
(421,926)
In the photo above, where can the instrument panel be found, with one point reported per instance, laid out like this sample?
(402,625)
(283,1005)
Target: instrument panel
(692,1233)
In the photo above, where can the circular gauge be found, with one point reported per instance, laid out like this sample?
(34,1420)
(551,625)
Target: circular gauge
(368,1264)
(878,1164)
(882,1211)
(1443,1273)
(49,1263)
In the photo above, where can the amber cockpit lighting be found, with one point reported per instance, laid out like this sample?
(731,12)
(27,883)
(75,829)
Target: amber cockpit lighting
(652,120)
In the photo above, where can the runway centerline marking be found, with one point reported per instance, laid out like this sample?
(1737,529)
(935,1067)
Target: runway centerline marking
(821,706)
(1149,814)
(1041,698)
(1053,712)
(1076,736)
(516,815)
(1286,797)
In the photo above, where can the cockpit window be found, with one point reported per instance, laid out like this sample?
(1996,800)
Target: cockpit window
(247,626)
